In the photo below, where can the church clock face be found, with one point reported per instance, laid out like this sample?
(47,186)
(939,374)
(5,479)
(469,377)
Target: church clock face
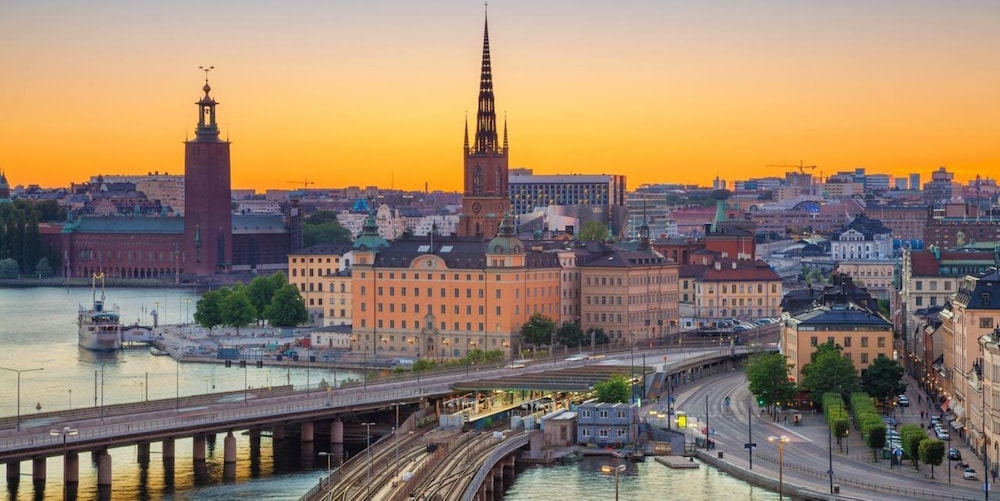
(476,207)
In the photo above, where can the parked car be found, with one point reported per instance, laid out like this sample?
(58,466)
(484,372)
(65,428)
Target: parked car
(954,454)
(903,400)
(891,422)
(943,435)
(969,474)
(740,328)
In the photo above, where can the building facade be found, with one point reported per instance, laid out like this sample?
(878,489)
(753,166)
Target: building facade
(863,335)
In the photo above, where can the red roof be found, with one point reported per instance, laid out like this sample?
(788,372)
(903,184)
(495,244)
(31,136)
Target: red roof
(745,271)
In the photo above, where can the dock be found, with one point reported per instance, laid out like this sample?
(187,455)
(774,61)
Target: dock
(677,462)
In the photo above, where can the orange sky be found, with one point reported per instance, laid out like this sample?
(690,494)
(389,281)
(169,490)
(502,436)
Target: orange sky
(375,92)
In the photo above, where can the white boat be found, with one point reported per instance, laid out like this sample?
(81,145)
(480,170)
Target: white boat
(99,327)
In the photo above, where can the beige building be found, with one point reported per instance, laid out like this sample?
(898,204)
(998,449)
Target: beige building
(737,289)
(631,294)
(874,275)
(862,335)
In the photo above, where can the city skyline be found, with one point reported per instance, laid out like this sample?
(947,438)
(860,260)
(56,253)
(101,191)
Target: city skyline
(359,93)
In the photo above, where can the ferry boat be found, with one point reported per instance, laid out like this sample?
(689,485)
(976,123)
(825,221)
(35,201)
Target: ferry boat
(99,327)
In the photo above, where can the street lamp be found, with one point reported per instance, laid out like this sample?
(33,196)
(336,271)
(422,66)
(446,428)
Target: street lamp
(65,432)
(328,456)
(19,371)
(616,470)
(368,449)
(781,440)
(395,434)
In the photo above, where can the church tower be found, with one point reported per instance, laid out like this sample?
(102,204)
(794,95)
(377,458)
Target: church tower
(208,219)
(485,198)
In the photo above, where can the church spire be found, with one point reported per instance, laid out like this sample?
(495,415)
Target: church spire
(505,144)
(467,133)
(208,129)
(486,117)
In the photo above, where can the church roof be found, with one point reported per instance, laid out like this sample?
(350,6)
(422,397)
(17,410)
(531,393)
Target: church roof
(125,224)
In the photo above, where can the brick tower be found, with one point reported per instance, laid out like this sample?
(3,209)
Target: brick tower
(208,220)
(485,198)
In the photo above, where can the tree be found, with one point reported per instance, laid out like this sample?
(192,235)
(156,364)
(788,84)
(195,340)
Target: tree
(767,374)
(236,308)
(614,390)
(884,379)
(261,290)
(287,308)
(8,268)
(932,453)
(322,227)
(593,231)
(537,331)
(876,439)
(43,269)
(321,217)
(569,334)
(208,310)
(827,371)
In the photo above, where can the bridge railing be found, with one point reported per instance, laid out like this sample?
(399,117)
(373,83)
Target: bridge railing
(510,444)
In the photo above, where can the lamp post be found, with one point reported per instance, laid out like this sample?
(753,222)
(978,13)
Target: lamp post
(395,435)
(781,440)
(328,456)
(617,469)
(65,432)
(19,371)
(368,449)
(708,430)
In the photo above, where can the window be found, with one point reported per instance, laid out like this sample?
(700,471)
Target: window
(813,341)
(880,342)
(586,414)
(847,342)
(603,433)
(864,358)
(585,432)
(864,341)
(603,414)
(919,285)
(986,323)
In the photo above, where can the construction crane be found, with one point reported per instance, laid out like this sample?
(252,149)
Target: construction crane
(305,183)
(801,166)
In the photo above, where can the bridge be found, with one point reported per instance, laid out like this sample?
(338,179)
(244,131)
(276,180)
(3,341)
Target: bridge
(202,417)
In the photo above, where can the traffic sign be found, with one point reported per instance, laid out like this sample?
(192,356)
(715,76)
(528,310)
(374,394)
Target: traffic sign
(750,445)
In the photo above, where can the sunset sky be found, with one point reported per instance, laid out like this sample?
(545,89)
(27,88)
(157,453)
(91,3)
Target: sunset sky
(352,92)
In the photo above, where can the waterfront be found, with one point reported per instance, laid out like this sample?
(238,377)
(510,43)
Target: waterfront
(38,330)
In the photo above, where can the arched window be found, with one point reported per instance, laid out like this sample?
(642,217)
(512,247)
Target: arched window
(477,181)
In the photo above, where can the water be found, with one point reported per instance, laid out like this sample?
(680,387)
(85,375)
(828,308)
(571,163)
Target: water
(641,481)
(38,330)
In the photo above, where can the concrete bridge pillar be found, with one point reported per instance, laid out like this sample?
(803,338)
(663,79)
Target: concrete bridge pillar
(142,453)
(198,444)
(278,432)
(38,470)
(13,472)
(229,458)
(104,468)
(337,432)
(168,450)
(71,468)
(308,432)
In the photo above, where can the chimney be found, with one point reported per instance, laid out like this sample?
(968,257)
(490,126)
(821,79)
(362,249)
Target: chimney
(734,265)
(718,265)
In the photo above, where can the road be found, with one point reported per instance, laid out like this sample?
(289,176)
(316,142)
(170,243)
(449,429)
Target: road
(807,456)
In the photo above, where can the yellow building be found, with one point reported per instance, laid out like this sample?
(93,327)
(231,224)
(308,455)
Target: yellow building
(862,335)
(322,275)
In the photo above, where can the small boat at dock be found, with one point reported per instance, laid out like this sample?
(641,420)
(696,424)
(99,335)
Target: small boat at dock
(99,328)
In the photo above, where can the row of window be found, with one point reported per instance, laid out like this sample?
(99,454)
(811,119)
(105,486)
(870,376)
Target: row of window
(743,288)
(880,341)
(603,432)
(733,302)
(604,413)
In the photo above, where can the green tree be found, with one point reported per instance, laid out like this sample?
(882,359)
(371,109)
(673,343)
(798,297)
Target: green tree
(322,227)
(614,390)
(593,231)
(43,269)
(828,371)
(208,310)
(884,379)
(287,308)
(261,291)
(537,331)
(569,334)
(237,310)
(8,268)
(767,375)
(876,439)
(932,453)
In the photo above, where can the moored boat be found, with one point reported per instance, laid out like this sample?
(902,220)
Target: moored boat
(98,327)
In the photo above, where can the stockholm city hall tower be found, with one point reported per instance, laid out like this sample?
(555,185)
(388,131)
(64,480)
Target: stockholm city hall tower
(485,197)
(208,219)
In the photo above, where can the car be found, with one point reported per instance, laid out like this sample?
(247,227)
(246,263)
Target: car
(890,422)
(935,420)
(578,357)
(954,454)
(903,400)
(943,435)
(740,328)
(969,474)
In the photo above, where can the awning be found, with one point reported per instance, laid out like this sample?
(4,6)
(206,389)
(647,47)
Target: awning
(959,410)
(944,406)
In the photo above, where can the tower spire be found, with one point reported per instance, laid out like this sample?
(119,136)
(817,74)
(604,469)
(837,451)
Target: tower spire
(466,132)
(208,129)
(486,117)
(505,145)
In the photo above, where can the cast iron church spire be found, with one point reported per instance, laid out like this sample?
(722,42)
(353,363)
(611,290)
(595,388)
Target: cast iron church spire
(486,116)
